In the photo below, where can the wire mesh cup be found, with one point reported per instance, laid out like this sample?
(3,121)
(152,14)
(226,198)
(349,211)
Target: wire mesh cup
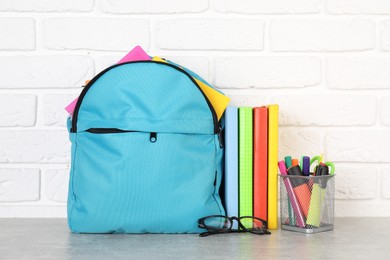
(307,203)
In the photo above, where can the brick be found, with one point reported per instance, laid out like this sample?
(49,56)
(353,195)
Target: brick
(268,7)
(210,34)
(46,6)
(385,183)
(54,108)
(385,110)
(19,185)
(358,73)
(322,35)
(17,34)
(56,184)
(358,145)
(366,208)
(154,6)
(96,33)
(54,71)
(327,110)
(358,7)
(248,100)
(17,110)
(34,146)
(267,72)
(356,182)
(298,142)
(385,33)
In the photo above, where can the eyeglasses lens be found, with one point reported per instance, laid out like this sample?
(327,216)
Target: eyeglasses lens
(252,224)
(217,223)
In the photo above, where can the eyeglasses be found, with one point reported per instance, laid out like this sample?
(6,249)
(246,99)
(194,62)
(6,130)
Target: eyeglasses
(218,224)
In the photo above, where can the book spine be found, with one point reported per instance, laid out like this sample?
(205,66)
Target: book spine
(231,162)
(245,161)
(260,162)
(273,111)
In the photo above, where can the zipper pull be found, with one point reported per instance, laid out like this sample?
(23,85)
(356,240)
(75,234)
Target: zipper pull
(220,137)
(153,137)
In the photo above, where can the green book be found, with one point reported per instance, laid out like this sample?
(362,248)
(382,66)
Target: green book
(245,161)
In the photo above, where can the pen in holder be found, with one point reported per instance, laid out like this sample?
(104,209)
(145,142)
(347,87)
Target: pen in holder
(315,210)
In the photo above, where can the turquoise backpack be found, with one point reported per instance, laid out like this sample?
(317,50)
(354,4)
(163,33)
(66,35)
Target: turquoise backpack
(146,152)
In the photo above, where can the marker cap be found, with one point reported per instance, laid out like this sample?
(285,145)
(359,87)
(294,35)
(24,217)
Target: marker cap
(324,170)
(296,171)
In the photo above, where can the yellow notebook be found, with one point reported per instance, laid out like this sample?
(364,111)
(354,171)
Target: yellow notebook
(218,100)
(273,118)
(156,58)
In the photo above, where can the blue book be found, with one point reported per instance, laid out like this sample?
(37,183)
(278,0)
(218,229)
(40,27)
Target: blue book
(231,162)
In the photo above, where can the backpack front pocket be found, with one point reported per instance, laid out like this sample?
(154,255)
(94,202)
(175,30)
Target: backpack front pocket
(162,188)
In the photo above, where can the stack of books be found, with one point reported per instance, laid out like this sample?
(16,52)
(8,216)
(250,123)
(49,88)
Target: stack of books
(251,162)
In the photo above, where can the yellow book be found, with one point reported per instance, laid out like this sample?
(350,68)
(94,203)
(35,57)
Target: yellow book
(156,58)
(216,98)
(273,118)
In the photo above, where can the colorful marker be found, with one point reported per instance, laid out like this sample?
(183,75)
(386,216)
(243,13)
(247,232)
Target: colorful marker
(306,165)
(291,215)
(295,162)
(294,203)
(317,197)
(300,188)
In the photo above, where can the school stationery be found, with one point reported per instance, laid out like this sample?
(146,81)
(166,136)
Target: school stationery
(217,99)
(245,161)
(305,165)
(260,162)
(317,196)
(314,193)
(319,160)
(137,53)
(300,188)
(295,162)
(231,162)
(273,119)
(147,152)
(288,164)
(292,198)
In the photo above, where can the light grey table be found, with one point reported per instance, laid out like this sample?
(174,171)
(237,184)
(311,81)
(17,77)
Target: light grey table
(352,238)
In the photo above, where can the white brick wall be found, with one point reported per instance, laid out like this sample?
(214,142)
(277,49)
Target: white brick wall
(268,7)
(17,34)
(323,35)
(154,6)
(267,72)
(46,6)
(325,62)
(210,34)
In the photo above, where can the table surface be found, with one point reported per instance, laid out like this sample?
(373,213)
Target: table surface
(352,238)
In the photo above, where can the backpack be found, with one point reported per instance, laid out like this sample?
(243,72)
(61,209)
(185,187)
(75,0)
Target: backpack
(146,152)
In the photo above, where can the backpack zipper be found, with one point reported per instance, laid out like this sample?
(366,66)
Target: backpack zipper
(92,81)
(152,135)
(108,131)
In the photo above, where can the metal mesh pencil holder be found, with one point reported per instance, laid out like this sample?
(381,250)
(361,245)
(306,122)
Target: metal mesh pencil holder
(307,203)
